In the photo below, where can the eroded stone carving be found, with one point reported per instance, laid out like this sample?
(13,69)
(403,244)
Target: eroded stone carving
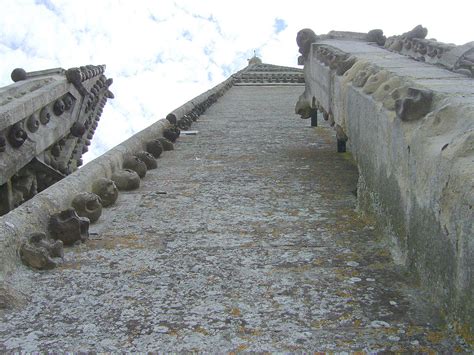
(375,80)
(37,251)
(126,179)
(33,123)
(303,107)
(45,115)
(59,107)
(88,204)
(154,147)
(134,163)
(387,87)
(3,144)
(415,105)
(166,144)
(17,135)
(304,39)
(362,76)
(106,190)
(68,227)
(376,36)
(148,159)
(77,129)
(171,134)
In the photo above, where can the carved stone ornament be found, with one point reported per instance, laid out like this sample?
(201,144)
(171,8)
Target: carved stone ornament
(88,204)
(304,39)
(77,129)
(59,107)
(154,147)
(415,105)
(166,144)
(67,102)
(45,115)
(33,123)
(133,163)
(68,227)
(37,251)
(3,144)
(106,190)
(171,134)
(17,135)
(126,179)
(148,159)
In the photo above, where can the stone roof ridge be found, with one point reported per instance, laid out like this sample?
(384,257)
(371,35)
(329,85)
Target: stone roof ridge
(269,74)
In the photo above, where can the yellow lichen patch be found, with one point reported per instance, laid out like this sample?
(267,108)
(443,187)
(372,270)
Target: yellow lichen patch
(70,266)
(357,323)
(131,241)
(249,331)
(318,262)
(343,294)
(413,330)
(240,348)
(235,312)
(435,337)
(319,324)
(465,332)
(201,330)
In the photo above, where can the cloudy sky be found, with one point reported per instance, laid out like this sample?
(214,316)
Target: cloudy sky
(162,53)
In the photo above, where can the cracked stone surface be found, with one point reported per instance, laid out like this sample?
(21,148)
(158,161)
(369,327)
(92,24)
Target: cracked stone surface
(245,238)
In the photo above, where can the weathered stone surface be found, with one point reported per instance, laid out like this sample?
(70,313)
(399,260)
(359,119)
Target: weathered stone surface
(106,190)
(68,227)
(88,204)
(126,179)
(166,144)
(134,163)
(267,253)
(148,159)
(37,251)
(154,147)
(405,156)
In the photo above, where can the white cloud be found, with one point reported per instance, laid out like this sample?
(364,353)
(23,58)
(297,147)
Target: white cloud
(162,53)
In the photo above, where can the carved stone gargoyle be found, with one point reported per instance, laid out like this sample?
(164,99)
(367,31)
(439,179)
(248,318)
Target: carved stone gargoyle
(415,105)
(304,39)
(148,159)
(126,179)
(133,163)
(68,227)
(171,134)
(88,204)
(37,251)
(106,190)
(166,144)
(154,147)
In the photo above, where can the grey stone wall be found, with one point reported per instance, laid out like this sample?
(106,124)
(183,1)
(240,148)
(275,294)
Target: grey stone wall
(410,128)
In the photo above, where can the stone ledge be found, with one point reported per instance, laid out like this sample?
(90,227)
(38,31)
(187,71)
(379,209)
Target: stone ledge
(413,145)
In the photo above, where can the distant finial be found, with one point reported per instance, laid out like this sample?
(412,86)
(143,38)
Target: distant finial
(254,59)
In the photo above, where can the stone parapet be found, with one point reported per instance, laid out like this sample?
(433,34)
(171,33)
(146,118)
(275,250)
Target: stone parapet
(409,126)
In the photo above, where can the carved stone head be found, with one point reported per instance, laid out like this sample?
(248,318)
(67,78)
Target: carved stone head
(88,204)
(148,159)
(68,227)
(134,163)
(37,251)
(106,190)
